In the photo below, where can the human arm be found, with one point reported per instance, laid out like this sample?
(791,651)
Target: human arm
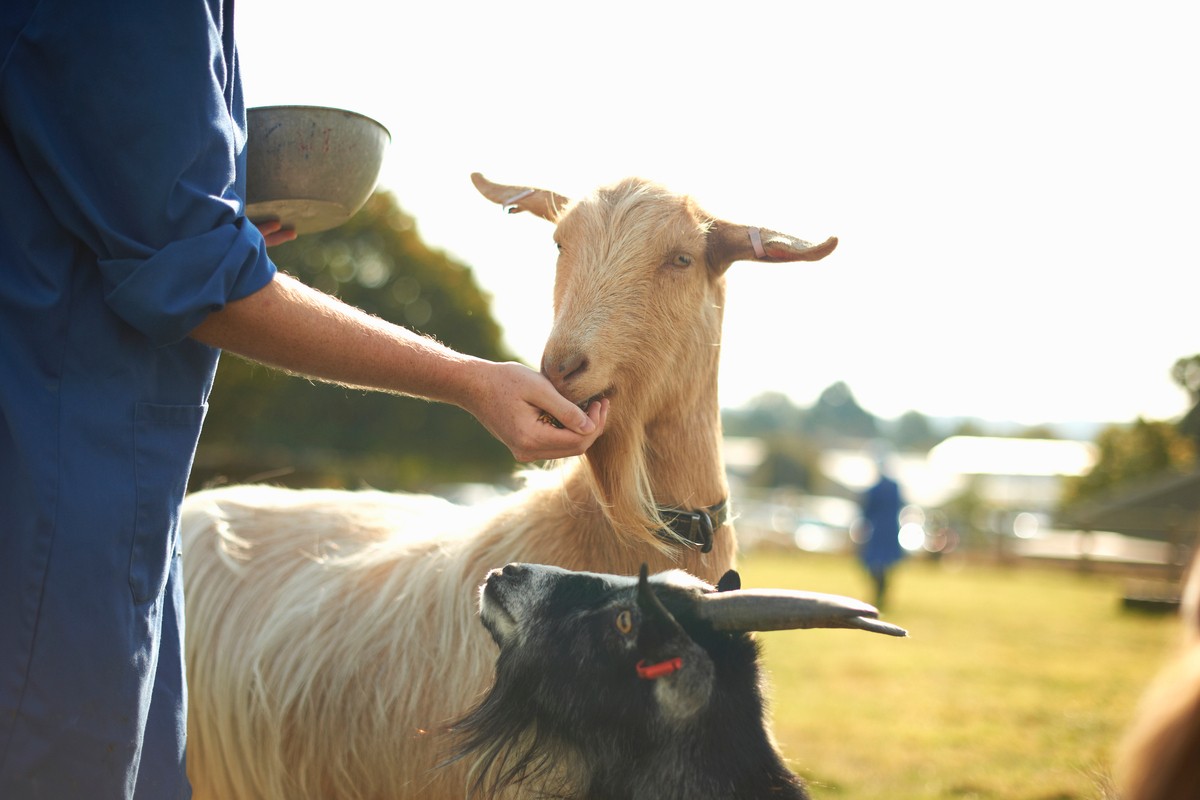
(291,326)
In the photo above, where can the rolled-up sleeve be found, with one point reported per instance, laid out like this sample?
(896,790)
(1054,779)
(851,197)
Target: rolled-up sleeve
(168,294)
(129,120)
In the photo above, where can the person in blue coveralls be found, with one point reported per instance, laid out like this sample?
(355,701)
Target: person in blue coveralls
(126,265)
(879,548)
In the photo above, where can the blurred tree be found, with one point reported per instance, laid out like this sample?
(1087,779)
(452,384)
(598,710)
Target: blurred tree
(1129,453)
(1186,373)
(913,431)
(789,462)
(1037,432)
(968,513)
(969,427)
(837,414)
(261,420)
(768,413)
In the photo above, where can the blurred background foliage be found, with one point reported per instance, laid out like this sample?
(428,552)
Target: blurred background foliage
(1129,454)
(264,425)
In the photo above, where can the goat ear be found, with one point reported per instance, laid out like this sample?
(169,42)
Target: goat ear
(543,203)
(728,243)
(658,629)
(730,582)
(684,689)
(660,638)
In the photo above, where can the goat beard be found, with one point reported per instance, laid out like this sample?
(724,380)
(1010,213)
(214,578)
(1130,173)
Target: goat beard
(508,749)
(620,479)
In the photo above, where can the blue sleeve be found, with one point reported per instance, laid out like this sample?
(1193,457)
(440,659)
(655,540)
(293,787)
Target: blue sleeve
(129,119)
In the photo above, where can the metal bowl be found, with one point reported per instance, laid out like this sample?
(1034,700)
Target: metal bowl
(310,167)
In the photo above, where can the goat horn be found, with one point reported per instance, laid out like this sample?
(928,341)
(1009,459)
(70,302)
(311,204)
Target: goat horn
(783,610)
(542,202)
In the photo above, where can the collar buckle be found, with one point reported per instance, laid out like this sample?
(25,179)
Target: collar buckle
(697,527)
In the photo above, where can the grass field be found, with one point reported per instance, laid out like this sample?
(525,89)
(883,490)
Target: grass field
(1014,683)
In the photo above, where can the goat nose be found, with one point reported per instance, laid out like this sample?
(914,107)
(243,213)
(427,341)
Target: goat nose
(571,367)
(509,572)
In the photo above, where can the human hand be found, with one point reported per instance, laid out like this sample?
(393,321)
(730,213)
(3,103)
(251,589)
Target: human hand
(511,403)
(274,233)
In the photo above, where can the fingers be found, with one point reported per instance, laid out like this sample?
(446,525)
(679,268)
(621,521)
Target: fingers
(598,414)
(280,237)
(571,416)
(543,441)
(274,233)
(513,401)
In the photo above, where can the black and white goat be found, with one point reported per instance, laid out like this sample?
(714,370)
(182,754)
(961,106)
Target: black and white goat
(642,688)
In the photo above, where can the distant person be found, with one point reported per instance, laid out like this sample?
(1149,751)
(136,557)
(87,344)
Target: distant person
(879,548)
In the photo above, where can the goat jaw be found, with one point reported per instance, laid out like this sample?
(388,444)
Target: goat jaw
(781,610)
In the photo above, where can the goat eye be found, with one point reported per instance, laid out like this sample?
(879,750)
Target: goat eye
(624,622)
(558,245)
(681,260)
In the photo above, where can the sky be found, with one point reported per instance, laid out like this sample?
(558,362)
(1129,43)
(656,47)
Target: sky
(1015,186)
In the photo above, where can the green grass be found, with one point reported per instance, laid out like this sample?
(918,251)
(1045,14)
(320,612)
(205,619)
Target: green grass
(1014,683)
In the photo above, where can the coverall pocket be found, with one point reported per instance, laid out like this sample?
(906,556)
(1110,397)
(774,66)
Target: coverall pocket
(165,442)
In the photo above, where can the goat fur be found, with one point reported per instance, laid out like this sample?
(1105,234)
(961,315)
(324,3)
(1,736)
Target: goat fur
(331,635)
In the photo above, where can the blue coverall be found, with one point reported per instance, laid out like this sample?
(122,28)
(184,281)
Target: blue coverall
(881,505)
(122,131)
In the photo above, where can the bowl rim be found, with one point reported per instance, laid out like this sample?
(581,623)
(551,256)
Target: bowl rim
(307,107)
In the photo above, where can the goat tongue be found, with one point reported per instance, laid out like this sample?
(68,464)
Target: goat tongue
(781,610)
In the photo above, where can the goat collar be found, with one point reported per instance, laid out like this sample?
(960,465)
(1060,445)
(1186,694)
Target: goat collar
(697,527)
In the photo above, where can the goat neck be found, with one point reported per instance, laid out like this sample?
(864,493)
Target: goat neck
(683,451)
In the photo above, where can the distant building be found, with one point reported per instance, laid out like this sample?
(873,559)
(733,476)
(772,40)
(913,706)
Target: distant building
(1018,474)
(1019,481)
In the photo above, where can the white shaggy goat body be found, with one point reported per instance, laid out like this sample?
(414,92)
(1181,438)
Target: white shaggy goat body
(335,635)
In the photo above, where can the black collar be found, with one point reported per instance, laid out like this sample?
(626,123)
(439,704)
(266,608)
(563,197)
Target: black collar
(697,526)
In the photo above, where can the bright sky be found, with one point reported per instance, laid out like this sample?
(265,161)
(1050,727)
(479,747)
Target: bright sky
(1016,186)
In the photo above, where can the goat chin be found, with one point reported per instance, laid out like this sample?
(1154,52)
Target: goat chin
(332,635)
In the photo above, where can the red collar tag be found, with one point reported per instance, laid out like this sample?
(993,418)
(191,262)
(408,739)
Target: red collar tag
(660,670)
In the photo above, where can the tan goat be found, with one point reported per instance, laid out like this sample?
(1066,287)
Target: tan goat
(331,635)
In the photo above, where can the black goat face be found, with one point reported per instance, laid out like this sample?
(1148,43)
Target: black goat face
(565,630)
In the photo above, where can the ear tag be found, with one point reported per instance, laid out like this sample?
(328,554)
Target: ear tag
(756,243)
(510,205)
(660,670)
